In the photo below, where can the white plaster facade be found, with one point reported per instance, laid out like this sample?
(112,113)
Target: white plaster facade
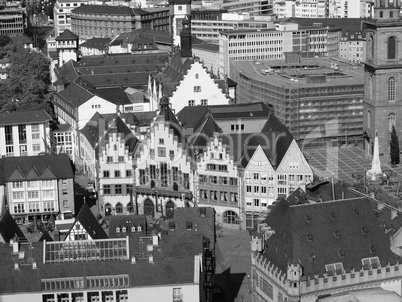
(217,183)
(197,88)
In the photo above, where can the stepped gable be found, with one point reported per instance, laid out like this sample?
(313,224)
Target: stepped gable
(59,165)
(166,113)
(118,126)
(89,222)
(314,235)
(201,137)
(9,229)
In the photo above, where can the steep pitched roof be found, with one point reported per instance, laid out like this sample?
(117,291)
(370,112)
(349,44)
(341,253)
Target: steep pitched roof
(114,95)
(67,35)
(314,235)
(91,129)
(127,221)
(9,229)
(75,94)
(120,127)
(59,165)
(67,72)
(96,43)
(24,117)
(89,223)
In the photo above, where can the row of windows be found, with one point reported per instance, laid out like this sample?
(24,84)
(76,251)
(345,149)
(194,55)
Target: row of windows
(117,189)
(89,282)
(218,195)
(223,180)
(117,173)
(104,296)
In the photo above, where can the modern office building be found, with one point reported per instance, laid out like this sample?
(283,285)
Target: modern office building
(62,11)
(319,100)
(25,133)
(12,19)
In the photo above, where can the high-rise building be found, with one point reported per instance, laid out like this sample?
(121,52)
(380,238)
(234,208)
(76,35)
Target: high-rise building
(382,72)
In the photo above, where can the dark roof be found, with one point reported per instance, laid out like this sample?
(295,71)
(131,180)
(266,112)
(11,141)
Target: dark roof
(67,35)
(97,43)
(324,192)
(24,117)
(120,127)
(91,129)
(173,263)
(116,96)
(67,72)
(159,36)
(61,127)
(207,46)
(50,166)
(107,10)
(9,229)
(75,94)
(202,135)
(346,24)
(127,221)
(45,236)
(145,118)
(314,235)
(89,223)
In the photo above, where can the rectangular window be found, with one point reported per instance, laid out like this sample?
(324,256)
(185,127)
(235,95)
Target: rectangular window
(121,159)
(117,173)
(22,134)
(256,176)
(197,88)
(204,102)
(32,184)
(65,192)
(47,194)
(18,185)
(233,181)
(213,179)
(35,131)
(175,172)
(117,189)
(9,151)
(9,134)
(109,159)
(106,174)
(152,171)
(106,189)
(129,173)
(256,189)
(186,181)
(36,147)
(256,202)
(142,177)
(33,194)
(164,175)
(191,102)
(64,182)
(18,195)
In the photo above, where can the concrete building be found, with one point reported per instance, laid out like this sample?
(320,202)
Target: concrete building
(272,44)
(37,187)
(352,47)
(62,14)
(12,19)
(324,249)
(25,133)
(382,70)
(207,23)
(319,100)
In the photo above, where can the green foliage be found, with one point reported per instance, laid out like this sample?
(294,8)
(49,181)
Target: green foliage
(28,82)
(394,147)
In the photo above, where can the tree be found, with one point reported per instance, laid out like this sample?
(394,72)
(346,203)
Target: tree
(394,147)
(28,81)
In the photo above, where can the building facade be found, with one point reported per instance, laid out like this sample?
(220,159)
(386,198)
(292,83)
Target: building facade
(163,175)
(12,19)
(319,109)
(25,133)
(62,14)
(382,70)
(37,187)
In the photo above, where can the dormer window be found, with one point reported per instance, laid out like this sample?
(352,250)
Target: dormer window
(117,230)
(139,229)
(133,229)
(124,229)
(189,226)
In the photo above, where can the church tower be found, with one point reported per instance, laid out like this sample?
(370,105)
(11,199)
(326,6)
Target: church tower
(382,76)
(178,11)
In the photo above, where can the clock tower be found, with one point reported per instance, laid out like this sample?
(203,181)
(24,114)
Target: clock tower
(382,107)
(179,10)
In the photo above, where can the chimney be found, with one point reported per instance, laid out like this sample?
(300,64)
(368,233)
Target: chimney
(185,40)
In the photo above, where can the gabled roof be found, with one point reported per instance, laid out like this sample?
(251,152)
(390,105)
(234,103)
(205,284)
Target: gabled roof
(59,165)
(201,137)
(120,127)
(9,229)
(67,35)
(127,221)
(75,94)
(89,222)
(161,37)
(24,117)
(67,72)
(314,235)
(91,129)
(96,43)
(45,236)
(113,95)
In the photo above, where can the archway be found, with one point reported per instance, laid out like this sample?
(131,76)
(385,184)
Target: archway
(169,209)
(149,208)
(108,209)
(119,208)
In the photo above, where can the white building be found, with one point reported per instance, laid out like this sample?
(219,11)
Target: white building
(61,12)
(24,133)
(185,81)
(116,178)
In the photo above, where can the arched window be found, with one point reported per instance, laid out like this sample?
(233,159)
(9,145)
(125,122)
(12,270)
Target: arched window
(368,119)
(392,47)
(370,47)
(119,208)
(371,88)
(391,121)
(391,89)
(230,217)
